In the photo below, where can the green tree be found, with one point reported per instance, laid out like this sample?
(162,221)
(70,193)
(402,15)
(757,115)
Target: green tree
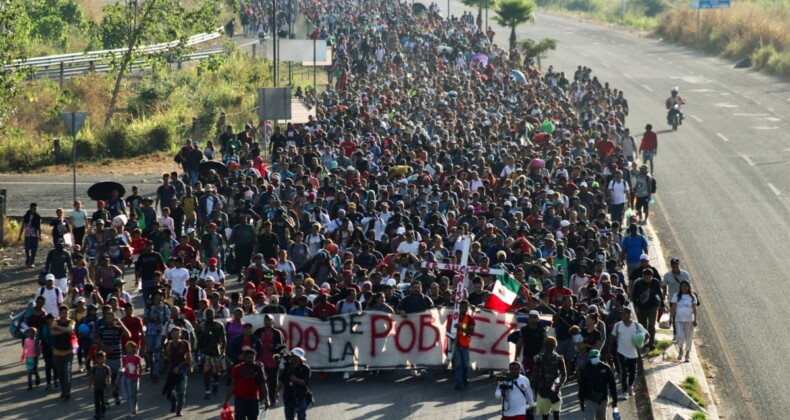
(512,13)
(538,49)
(14,30)
(149,22)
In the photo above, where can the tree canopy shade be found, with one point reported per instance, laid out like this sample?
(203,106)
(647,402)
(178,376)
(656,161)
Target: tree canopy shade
(512,13)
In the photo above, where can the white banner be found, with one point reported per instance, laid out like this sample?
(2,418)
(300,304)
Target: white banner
(375,340)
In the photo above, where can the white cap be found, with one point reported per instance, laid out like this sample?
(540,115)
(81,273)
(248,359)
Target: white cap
(49,277)
(565,223)
(298,352)
(190,230)
(534,312)
(644,257)
(583,184)
(401,230)
(489,226)
(391,282)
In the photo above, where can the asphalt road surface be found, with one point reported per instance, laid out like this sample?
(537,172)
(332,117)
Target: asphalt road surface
(722,207)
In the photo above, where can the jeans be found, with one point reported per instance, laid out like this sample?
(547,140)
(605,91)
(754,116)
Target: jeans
(298,407)
(31,247)
(180,392)
(33,373)
(246,409)
(193,176)
(148,288)
(63,368)
(460,365)
(627,371)
(153,344)
(647,317)
(595,411)
(130,387)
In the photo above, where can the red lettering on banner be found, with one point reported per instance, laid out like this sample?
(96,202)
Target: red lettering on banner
(375,334)
(311,339)
(426,324)
(401,348)
(306,338)
(478,336)
(495,348)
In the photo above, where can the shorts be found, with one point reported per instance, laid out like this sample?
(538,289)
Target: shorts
(648,155)
(544,407)
(212,364)
(642,203)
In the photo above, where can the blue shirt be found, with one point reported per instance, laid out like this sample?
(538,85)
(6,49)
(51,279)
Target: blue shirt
(633,246)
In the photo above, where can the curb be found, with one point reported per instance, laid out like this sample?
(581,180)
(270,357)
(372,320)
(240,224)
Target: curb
(656,370)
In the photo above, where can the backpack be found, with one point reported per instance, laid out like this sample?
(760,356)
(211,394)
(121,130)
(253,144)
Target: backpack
(652,184)
(58,293)
(18,328)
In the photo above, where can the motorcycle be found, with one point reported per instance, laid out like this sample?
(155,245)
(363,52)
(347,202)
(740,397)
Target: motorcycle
(675,117)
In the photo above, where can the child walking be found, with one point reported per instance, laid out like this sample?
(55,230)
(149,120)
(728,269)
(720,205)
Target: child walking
(130,383)
(100,381)
(31,350)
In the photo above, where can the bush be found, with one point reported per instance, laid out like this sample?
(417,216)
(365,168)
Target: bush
(160,138)
(762,55)
(779,64)
(51,29)
(119,141)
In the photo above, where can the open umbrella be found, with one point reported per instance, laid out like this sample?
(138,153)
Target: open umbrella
(103,190)
(518,75)
(482,58)
(205,167)
(418,8)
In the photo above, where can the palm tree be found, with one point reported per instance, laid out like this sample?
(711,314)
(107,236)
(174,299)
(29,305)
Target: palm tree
(511,13)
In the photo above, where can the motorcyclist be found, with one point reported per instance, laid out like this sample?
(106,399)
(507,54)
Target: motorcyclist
(673,105)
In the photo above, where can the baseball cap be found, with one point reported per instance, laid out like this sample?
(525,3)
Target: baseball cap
(644,257)
(190,230)
(674,261)
(595,353)
(212,261)
(49,277)
(534,313)
(298,352)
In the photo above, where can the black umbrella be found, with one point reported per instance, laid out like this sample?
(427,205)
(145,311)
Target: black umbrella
(103,190)
(205,167)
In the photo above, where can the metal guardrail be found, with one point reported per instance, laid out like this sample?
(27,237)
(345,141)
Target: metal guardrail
(87,57)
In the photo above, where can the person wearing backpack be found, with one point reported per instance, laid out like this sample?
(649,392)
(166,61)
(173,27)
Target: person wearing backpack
(645,186)
(53,296)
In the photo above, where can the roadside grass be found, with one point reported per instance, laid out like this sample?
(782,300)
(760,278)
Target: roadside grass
(693,389)
(699,415)
(10,232)
(155,112)
(661,348)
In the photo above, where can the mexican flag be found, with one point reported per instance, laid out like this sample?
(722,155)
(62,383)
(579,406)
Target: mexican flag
(503,295)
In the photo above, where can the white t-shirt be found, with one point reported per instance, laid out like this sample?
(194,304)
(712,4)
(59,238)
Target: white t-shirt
(54,297)
(411,248)
(178,278)
(518,400)
(684,312)
(625,334)
(217,275)
(617,191)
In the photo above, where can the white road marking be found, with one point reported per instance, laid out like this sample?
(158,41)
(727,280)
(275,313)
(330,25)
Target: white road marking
(741,114)
(749,161)
(721,136)
(703,90)
(629,76)
(606,65)
(585,55)
(647,87)
(773,119)
(774,189)
(763,127)
(696,118)
(725,105)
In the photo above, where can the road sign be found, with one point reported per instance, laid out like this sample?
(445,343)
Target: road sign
(710,4)
(274,103)
(74,121)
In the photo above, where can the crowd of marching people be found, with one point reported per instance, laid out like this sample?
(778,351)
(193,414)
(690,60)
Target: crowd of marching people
(414,149)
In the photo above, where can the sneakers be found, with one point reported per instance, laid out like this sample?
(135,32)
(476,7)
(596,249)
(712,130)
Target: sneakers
(346,376)
(117,400)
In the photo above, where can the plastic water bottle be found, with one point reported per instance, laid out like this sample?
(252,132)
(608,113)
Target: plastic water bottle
(616,413)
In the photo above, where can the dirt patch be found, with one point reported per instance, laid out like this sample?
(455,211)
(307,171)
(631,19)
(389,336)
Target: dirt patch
(141,165)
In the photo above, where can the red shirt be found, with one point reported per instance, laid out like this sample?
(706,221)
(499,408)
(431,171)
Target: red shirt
(247,376)
(348,147)
(463,338)
(135,326)
(186,252)
(606,147)
(649,141)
